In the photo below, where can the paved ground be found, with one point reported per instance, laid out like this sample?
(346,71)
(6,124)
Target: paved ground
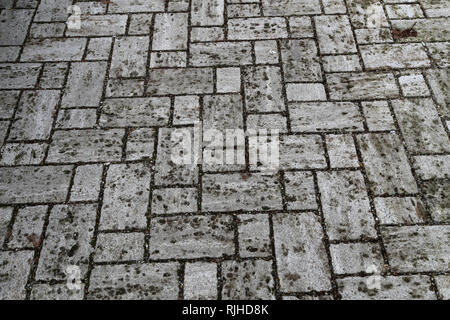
(92,205)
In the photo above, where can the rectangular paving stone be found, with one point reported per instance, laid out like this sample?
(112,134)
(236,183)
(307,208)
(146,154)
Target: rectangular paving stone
(34,115)
(124,88)
(84,84)
(126,196)
(362,85)
(129,57)
(300,190)
(435,8)
(392,210)
(436,29)
(15,76)
(231,192)
(341,151)
(200,281)
(391,288)
(417,248)
(345,205)
(302,152)
(101,25)
(14,270)
(348,258)
(394,56)
(443,285)
(266,51)
(8,101)
(290,7)
(170,142)
(437,196)
(341,63)
(220,53)
(378,115)
(358,12)
(300,61)
(301,27)
(257,28)
(374,35)
(222,112)
(207,12)
(140,144)
(413,85)
(54,50)
(170,31)
(53,75)
(228,80)
(438,80)
(98,48)
(14,23)
(119,247)
(254,235)
(47,30)
(263,89)
(137,281)
(207,34)
(386,164)
(5,217)
(140,23)
(67,241)
(178,5)
(267,121)
(301,257)
(325,116)
(180,81)
(28,221)
(44,291)
(191,237)
(421,127)
(34,184)
(125,6)
(49,10)
(175,59)
(135,112)
(243,10)
(76,118)
(174,200)
(86,183)
(305,92)
(431,167)
(14,154)
(334,34)
(186,110)
(89,145)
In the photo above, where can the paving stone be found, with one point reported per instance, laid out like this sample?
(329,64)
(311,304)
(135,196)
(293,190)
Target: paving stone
(421,127)
(362,12)
(243,10)
(257,192)
(124,88)
(220,53)
(44,291)
(180,81)
(129,57)
(267,121)
(125,6)
(67,241)
(257,28)
(437,195)
(290,7)
(200,281)
(430,167)
(300,61)
(399,210)
(9,54)
(207,12)
(166,171)
(140,23)
(24,3)
(3,130)
(301,27)
(28,223)
(92,8)
(119,247)
(334,34)
(48,10)
(427,29)
(206,34)
(443,285)
(386,164)
(394,56)
(15,267)
(417,248)
(101,25)
(89,145)
(170,31)
(345,205)
(302,152)
(140,144)
(84,84)
(125,198)
(178,5)
(362,85)
(400,11)
(191,237)
(47,30)
(135,112)
(415,287)
(14,154)
(413,85)
(266,51)
(301,257)
(236,284)
(438,80)
(15,76)
(138,281)
(5,217)
(325,116)
(334,6)
(168,59)
(15,23)
(263,89)
(438,8)
(174,200)
(76,118)
(98,48)
(186,110)
(438,54)
(342,151)
(305,92)
(254,235)
(341,63)
(350,258)
(53,50)
(378,115)
(34,184)
(373,35)
(53,75)
(228,80)
(86,183)
(8,101)
(300,190)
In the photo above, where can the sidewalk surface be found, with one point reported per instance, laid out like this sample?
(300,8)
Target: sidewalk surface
(92,205)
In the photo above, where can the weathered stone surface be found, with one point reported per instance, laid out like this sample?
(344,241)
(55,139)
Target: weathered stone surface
(15,76)
(8,101)
(300,60)
(168,59)
(358,12)
(305,92)
(257,28)
(200,281)
(119,247)
(399,210)
(5,217)
(98,48)
(186,110)
(437,195)
(341,151)
(29,221)
(427,29)
(170,31)
(228,80)
(191,237)
(48,10)
(443,285)
(13,154)
(394,56)
(254,235)
(207,12)
(34,184)
(334,34)
(86,183)
(220,53)
(301,257)
(378,115)
(267,121)
(101,25)
(302,152)
(140,144)
(53,75)
(413,85)
(76,118)
(129,57)
(290,7)
(14,270)
(14,25)
(438,80)
(174,200)
(430,167)
(43,291)
(54,50)
(300,190)
(180,81)
(351,258)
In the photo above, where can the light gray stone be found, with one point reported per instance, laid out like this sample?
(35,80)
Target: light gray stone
(290,7)
(302,152)
(44,291)
(13,154)
(334,34)
(140,144)
(129,57)
(305,92)
(430,167)
(119,247)
(174,200)
(170,31)
(220,53)
(28,224)
(200,281)
(394,56)
(180,81)
(15,76)
(300,190)
(254,235)
(207,12)
(86,183)
(348,258)
(257,28)
(406,210)
(54,50)
(76,118)
(378,115)
(14,270)
(300,60)
(14,25)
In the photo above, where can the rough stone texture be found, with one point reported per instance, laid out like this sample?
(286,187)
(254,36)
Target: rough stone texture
(129,57)
(300,191)
(174,200)
(14,76)
(14,270)
(200,281)
(351,258)
(29,221)
(86,183)
(43,291)
(119,247)
(254,233)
